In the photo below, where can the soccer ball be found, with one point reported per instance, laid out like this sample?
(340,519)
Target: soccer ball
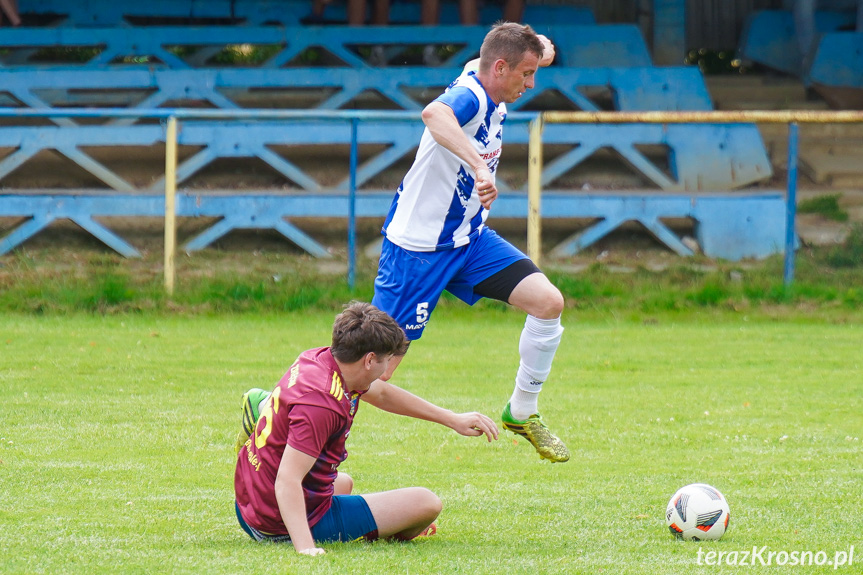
(697,512)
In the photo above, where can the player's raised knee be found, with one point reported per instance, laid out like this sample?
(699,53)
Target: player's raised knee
(344,484)
(537,296)
(549,303)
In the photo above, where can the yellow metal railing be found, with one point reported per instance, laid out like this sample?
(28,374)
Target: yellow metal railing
(709,117)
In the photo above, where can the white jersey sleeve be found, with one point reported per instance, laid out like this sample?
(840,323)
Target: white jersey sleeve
(436,206)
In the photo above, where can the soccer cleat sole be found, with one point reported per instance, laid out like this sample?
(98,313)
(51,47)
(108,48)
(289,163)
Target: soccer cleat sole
(547,445)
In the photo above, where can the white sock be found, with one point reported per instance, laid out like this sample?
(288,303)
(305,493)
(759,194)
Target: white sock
(523,404)
(536,347)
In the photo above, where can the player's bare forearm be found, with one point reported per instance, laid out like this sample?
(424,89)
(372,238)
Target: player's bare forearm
(393,399)
(443,125)
(292,506)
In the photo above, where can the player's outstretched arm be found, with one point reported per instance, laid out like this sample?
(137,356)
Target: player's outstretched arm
(393,399)
(292,505)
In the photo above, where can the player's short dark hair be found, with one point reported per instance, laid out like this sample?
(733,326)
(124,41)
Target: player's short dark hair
(509,41)
(362,328)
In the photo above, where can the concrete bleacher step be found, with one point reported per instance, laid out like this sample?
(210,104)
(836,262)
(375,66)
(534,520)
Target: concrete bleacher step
(824,159)
(837,163)
(820,135)
(829,154)
(758,92)
(815,132)
(774,105)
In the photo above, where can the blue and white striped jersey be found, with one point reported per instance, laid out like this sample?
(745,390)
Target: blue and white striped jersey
(436,206)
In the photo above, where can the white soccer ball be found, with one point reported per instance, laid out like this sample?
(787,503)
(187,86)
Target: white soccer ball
(697,512)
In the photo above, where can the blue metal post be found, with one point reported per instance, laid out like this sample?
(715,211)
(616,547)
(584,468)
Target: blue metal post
(352,207)
(791,211)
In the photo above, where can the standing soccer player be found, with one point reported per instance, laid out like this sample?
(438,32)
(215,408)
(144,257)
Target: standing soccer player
(286,482)
(435,233)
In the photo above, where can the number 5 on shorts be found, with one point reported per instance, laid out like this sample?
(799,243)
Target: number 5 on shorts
(422,312)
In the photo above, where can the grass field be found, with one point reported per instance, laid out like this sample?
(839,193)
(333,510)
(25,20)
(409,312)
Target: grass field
(116,451)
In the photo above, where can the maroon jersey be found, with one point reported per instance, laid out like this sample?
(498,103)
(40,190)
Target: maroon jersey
(310,411)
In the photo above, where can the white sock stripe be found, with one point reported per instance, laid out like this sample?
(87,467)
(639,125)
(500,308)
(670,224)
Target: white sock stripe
(543,326)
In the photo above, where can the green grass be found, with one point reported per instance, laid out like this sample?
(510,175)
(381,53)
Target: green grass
(826,205)
(827,280)
(117,432)
(848,255)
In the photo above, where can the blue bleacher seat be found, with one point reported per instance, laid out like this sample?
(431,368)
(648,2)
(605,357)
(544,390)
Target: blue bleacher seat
(768,38)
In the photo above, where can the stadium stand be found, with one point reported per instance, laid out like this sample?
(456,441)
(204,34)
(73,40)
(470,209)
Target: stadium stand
(252,12)
(833,70)
(599,66)
(769,38)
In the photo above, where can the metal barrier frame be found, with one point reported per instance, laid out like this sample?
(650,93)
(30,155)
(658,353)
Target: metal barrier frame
(172,117)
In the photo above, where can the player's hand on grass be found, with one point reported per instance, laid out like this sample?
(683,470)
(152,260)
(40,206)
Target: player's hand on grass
(474,424)
(311,551)
(485,186)
(547,51)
